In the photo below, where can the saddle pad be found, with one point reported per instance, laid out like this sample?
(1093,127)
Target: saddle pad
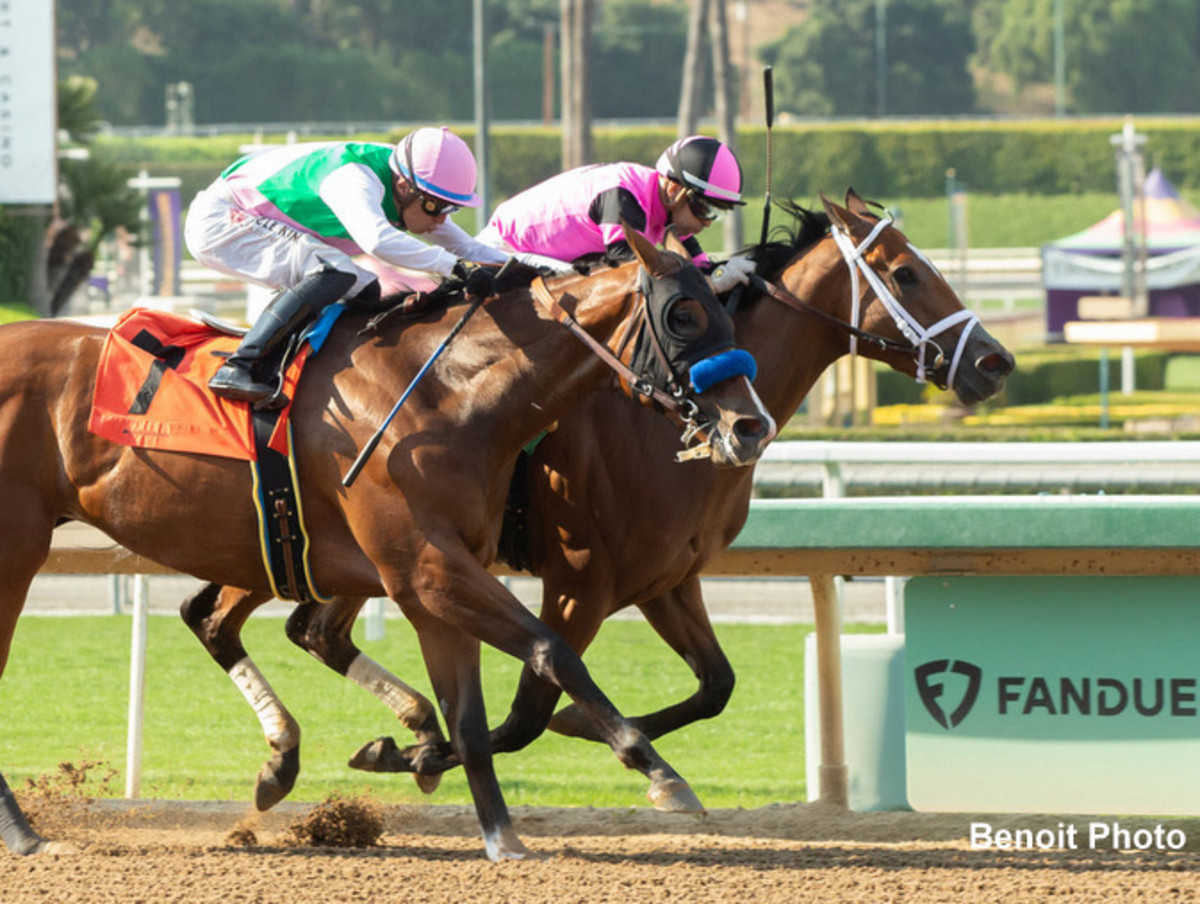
(152,389)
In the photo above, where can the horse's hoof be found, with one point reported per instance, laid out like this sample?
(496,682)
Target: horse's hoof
(427,783)
(267,792)
(674,796)
(276,779)
(380,755)
(506,846)
(56,848)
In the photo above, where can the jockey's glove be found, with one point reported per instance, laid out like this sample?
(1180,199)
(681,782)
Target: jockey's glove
(730,273)
(478,280)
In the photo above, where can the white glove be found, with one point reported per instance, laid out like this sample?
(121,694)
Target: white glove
(730,273)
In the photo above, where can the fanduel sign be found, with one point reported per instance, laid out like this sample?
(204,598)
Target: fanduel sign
(1059,694)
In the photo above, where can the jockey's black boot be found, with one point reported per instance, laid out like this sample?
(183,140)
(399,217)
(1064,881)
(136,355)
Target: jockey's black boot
(287,312)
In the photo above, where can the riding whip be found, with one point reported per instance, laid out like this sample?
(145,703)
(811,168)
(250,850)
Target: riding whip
(769,97)
(359,462)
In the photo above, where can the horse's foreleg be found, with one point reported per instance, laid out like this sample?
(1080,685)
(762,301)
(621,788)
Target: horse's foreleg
(15,832)
(24,545)
(323,630)
(466,596)
(452,660)
(577,621)
(680,619)
(216,615)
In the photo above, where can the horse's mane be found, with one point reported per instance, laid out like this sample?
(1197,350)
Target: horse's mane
(807,228)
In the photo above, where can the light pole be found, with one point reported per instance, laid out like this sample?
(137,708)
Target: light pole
(1060,60)
(881,57)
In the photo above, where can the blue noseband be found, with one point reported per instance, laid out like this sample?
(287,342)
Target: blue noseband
(711,371)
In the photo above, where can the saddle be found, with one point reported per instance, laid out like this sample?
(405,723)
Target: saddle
(152,392)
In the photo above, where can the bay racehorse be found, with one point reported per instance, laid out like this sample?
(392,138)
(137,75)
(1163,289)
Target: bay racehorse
(844,280)
(420,524)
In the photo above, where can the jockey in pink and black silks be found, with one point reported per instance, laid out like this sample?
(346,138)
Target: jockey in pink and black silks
(577,214)
(293,218)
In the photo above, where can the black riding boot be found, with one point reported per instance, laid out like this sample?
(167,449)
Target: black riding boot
(287,312)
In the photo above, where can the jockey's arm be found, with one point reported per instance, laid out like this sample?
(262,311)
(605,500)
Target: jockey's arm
(456,239)
(355,195)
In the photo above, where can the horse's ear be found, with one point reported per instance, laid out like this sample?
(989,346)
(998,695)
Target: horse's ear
(675,244)
(838,215)
(855,203)
(656,263)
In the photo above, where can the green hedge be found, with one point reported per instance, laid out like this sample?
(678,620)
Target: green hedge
(879,159)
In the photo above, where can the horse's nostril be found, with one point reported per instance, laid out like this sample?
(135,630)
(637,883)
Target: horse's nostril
(749,428)
(995,363)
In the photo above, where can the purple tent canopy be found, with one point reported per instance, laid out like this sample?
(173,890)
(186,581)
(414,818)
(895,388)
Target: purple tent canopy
(1089,262)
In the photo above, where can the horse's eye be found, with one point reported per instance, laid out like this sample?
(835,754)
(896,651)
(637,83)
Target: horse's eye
(905,276)
(685,318)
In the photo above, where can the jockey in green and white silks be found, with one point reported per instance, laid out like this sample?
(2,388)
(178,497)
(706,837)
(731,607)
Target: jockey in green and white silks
(293,218)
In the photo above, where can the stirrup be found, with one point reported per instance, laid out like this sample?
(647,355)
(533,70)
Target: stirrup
(274,401)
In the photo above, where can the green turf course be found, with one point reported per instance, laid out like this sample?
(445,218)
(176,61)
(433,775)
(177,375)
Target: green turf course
(64,698)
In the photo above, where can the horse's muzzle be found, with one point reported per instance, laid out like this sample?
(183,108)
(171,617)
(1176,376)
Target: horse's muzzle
(742,441)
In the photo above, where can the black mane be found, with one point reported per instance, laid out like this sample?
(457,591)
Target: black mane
(808,227)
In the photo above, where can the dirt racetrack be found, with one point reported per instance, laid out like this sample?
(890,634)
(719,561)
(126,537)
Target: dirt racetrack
(155,852)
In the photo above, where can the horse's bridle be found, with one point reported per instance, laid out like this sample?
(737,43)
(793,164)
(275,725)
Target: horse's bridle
(920,339)
(676,398)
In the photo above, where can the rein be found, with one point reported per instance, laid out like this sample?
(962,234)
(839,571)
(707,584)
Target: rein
(676,402)
(783,296)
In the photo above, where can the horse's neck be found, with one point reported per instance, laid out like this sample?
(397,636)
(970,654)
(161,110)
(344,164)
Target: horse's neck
(540,369)
(794,348)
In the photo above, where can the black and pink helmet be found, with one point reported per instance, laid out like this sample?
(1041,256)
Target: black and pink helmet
(706,166)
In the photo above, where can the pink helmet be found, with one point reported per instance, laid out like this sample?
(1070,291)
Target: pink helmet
(704,165)
(438,163)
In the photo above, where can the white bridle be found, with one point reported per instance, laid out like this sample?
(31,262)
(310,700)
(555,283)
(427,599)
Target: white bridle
(921,337)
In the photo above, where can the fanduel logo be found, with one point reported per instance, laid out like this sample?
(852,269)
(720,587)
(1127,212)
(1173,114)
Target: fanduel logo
(932,689)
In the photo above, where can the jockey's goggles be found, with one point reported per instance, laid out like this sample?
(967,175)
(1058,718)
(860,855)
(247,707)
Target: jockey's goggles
(705,208)
(435,207)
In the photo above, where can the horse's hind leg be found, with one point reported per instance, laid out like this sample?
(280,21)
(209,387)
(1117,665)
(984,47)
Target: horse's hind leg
(323,630)
(680,619)
(216,615)
(24,545)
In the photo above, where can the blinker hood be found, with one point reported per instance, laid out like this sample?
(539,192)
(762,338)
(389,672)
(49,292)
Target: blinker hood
(715,345)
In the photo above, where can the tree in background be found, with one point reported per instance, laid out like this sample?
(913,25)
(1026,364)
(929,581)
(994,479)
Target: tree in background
(94,201)
(270,61)
(1122,56)
(826,66)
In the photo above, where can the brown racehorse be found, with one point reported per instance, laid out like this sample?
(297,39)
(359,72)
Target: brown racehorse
(421,522)
(592,557)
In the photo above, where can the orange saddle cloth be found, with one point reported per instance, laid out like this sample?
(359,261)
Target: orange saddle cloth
(152,389)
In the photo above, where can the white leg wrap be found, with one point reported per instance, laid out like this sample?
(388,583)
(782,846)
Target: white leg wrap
(401,699)
(277,723)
